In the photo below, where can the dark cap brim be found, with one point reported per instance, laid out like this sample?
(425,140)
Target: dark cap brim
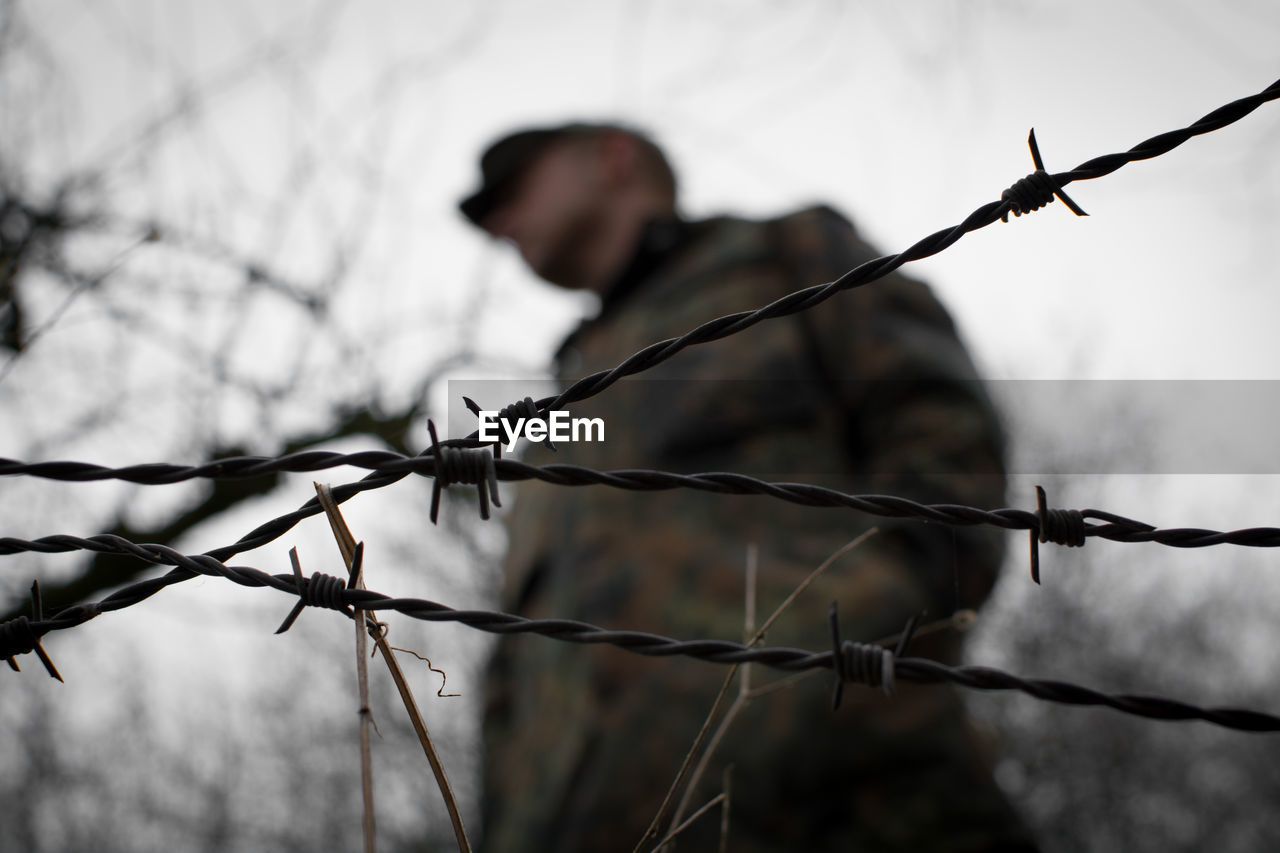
(505,160)
(502,164)
(479,204)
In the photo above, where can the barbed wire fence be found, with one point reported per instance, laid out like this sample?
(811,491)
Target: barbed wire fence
(472,462)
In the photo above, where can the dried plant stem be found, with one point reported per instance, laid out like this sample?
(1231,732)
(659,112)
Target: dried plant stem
(420,726)
(365,621)
(696,749)
(724,812)
(708,806)
(347,545)
(687,765)
(704,756)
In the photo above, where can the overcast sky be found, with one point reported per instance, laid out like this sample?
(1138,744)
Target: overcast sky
(903,116)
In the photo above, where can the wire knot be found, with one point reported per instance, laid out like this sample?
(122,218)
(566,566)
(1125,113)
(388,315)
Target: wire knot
(1029,194)
(1036,190)
(18,636)
(323,590)
(470,465)
(319,590)
(1059,526)
(867,664)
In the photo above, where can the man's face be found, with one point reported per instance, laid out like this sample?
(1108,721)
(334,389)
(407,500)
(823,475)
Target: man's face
(552,214)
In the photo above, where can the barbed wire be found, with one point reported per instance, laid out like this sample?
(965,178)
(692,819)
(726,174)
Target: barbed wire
(23,635)
(1054,525)
(464,464)
(1024,196)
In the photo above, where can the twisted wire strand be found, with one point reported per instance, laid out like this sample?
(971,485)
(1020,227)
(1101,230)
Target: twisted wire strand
(800,300)
(918,670)
(713,330)
(389,467)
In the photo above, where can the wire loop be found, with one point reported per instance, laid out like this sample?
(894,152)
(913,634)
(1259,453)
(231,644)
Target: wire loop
(859,663)
(18,636)
(1059,526)
(470,465)
(1029,194)
(1036,190)
(319,590)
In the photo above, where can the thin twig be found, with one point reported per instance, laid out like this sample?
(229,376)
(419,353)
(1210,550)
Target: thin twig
(687,764)
(347,546)
(724,812)
(696,749)
(813,576)
(749,636)
(749,610)
(701,738)
(711,804)
(346,541)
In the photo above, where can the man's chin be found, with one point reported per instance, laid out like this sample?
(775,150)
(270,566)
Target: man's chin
(561,275)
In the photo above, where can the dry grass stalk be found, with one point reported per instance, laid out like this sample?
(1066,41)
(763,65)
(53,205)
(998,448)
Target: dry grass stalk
(744,694)
(724,812)
(708,806)
(347,545)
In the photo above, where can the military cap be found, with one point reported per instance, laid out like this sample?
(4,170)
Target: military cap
(505,160)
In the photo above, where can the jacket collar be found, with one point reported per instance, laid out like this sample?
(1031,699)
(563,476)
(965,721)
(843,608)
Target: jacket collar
(660,239)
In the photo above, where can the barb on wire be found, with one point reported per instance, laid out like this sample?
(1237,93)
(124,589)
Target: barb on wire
(18,636)
(1037,189)
(1059,526)
(462,465)
(868,664)
(320,590)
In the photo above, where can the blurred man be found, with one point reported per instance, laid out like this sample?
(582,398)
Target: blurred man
(871,392)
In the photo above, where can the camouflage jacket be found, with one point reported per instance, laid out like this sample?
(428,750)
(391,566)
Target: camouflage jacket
(870,392)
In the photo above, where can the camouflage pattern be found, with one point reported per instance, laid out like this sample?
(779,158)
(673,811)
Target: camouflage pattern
(871,392)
